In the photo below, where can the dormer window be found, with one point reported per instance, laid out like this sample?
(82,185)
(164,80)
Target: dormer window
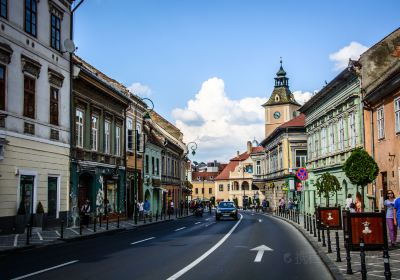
(277,98)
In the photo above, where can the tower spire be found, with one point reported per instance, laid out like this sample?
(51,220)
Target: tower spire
(281,80)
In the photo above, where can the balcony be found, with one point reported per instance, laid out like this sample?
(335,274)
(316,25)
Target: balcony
(95,156)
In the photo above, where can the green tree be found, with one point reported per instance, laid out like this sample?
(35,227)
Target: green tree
(326,184)
(361,169)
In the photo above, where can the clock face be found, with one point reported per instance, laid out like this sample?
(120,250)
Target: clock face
(277,115)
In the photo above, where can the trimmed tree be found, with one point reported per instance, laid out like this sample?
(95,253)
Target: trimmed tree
(326,184)
(361,169)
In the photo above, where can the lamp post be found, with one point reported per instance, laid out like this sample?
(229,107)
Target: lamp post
(145,116)
(242,169)
(190,146)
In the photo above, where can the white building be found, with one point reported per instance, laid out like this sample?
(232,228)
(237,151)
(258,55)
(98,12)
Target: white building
(34,108)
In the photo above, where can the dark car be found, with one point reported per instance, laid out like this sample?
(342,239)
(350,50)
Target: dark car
(226,209)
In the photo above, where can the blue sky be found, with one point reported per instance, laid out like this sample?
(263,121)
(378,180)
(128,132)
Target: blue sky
(209,65)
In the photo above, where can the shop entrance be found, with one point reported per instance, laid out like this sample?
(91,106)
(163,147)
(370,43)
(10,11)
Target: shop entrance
(85,187)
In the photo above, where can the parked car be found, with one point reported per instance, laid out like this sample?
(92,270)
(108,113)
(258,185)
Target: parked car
(226,209)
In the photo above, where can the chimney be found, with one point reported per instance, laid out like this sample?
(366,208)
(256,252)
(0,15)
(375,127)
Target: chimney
(249,147)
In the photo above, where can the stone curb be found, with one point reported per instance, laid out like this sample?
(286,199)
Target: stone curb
(335,272)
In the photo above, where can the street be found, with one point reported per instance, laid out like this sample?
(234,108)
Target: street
(190,248)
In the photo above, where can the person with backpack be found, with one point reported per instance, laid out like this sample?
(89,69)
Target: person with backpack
(350,205)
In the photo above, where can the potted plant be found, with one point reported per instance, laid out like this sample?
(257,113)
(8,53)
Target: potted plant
(20,218)
(39,215)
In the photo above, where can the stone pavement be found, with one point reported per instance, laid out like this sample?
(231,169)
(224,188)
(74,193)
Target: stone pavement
(13,242)
(374,259)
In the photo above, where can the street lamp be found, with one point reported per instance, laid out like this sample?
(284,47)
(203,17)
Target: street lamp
(242,169)
(190,146)
(148,110)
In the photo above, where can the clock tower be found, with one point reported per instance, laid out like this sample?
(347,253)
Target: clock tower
(281,106)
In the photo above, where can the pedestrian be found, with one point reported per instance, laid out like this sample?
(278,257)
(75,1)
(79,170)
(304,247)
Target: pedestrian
(85,212)
(171,207)
(146,208)
(358,203)
(389,207)
(396,212)
(296,204)
(350,205)
(181,207)
(140,207)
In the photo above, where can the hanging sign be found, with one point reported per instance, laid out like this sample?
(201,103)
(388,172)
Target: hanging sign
(302,174)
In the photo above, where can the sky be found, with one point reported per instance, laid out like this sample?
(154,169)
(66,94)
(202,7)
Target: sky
(209,65)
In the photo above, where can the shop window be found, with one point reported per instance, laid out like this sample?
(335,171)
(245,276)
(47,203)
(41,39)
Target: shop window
(26,193)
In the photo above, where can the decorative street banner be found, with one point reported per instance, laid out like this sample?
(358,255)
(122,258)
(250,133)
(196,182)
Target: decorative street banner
(370,226)
(329,217)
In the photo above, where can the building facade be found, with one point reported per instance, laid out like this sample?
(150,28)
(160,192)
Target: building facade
(379,69)
(98,152)
(34,109)
(333,120)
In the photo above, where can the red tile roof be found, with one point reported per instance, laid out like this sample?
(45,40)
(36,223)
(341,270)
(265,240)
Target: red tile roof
(224,175)
(297,121)
(205,175)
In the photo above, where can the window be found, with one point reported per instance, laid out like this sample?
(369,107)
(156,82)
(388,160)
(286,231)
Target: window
(79,128)
(341,134)
(147,164)
(95,133)
(301,158)
(323,141)
(52,197)
(352,130)
(117,141)
(202,190)
(196,190)
(229,187)
(331,138)
(29,97)
(157,166)
(138,128)
(129,134)
(53,106)
(31,17)
(210,190)
(397,114)
(316,144)
(2,87)
(55,32)
(221,187)
(258,167)
(107,137)
(310,146)
(153,169)
(27,189)
(3,8)
(381,123)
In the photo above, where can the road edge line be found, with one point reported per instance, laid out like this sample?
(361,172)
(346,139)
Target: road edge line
(44,270)
(206,254)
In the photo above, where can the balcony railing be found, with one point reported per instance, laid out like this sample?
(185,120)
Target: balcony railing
(95,156)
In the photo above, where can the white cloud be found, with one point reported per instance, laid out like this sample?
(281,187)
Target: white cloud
(220,126)
(302,97)
(139,89)
(341,57)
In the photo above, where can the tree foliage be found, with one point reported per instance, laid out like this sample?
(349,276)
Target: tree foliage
(326,184)
(360,168)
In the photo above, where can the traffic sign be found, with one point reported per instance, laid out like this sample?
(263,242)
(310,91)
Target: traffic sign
(302,174)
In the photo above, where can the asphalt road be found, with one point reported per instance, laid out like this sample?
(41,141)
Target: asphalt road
(190,248)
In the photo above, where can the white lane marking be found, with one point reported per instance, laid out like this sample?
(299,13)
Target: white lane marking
(74,231)
(58,233)
(150,238)
(133,243)
(260,252)
(210,224)
(40,236)
(197,223)
(207,219)
(89,229)
(178,229)
(206,254)
(16,240)
(44,270)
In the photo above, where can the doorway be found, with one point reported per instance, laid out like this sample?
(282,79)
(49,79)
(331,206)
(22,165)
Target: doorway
(84,190)
(27,193)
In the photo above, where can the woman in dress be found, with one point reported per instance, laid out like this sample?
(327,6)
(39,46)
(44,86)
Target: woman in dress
(389,205)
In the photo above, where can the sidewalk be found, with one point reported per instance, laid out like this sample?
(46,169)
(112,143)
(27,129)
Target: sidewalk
(374,259)
(15,242)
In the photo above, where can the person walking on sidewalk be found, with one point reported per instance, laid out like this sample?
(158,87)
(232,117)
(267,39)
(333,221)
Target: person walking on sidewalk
(146,208)
(389,207)
(85,212)
(350,203)
(140,207)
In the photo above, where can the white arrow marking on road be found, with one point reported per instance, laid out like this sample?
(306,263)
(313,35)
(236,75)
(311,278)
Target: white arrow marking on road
(178,229)
(133,243)
(260,252)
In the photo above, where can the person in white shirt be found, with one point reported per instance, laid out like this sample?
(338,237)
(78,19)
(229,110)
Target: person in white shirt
(350,203)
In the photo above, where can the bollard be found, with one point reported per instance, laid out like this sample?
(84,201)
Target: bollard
(144,217)
(62,229)
(319,233)
(304,220)
(80,228)
(169,215)
(311,225)
(157,216)
(100,218)
(315,227)
(27,234)
(307,223)
(388,273)
(338,258)
(362,257)
(118,221)
(107,222)
(323,238)
(94,223)
(328,233)
(348,256)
